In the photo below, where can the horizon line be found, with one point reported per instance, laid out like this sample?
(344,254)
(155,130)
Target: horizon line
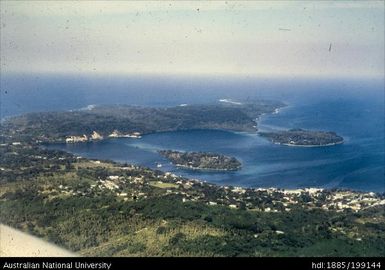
(197,74)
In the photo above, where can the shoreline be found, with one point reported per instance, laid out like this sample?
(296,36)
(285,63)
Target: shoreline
(298,189)
(309,146)
(204,169)
(283,189)
(243,132)
(250,128)
(258,121)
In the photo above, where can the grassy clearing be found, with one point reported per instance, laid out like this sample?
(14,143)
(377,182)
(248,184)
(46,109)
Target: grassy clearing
(153,240)
(10,187)
(162,185)
(95,164)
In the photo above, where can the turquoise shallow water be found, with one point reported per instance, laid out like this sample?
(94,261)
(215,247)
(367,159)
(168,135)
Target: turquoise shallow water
(354,109)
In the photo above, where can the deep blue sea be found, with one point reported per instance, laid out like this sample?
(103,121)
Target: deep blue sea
(354,108)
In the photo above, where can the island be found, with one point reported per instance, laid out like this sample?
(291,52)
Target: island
(305,138)
(202,160)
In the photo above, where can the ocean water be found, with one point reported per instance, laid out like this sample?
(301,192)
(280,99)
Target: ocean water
(353,108)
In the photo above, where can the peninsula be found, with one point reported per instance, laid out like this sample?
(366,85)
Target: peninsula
(202,160)
(301,137)
(99,122)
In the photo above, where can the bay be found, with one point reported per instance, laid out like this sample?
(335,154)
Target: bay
(354,108)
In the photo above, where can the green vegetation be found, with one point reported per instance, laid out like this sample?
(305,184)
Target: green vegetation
(109,209)
(201,160)
(160,184)
(102,208)
(56,126)
(300,137)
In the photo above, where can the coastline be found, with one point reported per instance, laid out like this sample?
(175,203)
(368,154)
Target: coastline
(106,138)
(280,109)
(309,146)
(264,116)
(204,169)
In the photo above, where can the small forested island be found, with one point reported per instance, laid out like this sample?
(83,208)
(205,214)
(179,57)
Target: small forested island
(202,160)
(301,137)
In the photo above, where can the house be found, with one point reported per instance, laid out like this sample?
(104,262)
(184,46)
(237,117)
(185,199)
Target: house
(75,139)
(96,136)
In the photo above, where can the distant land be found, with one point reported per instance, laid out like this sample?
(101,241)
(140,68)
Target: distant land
(305,138)
(100,122)
(202,160)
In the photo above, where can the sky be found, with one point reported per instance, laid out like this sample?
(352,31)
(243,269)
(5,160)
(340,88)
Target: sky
(258,38)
